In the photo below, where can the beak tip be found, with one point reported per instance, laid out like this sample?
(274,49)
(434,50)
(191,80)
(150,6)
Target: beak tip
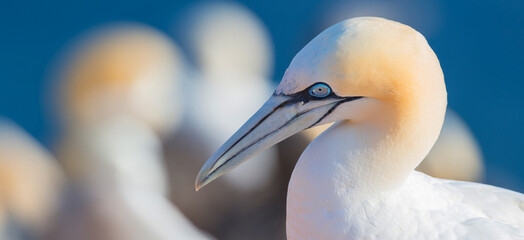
(201,181)
(198,185)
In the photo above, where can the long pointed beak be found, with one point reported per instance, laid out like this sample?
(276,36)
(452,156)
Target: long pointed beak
(279,118)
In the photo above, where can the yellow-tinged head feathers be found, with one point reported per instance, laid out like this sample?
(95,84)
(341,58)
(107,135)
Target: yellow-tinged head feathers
(366,56)
(122,69)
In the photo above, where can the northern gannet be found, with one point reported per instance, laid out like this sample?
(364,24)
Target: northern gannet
(121,69)
(383,86)
(31,182)
(119,100)
(125,183)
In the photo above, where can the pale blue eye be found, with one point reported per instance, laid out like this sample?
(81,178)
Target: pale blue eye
(320,90)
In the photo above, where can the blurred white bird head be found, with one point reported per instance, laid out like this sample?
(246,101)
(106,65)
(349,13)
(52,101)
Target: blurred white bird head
(228,38)
(30,178)
(122,69)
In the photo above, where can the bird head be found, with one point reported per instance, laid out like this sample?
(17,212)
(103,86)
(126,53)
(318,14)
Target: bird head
(358,70)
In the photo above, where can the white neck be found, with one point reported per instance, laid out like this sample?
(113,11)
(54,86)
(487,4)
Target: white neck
(377,153)
(353,160)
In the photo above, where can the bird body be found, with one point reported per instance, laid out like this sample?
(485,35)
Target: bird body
(31,183)
(383,86)
(119,101)
(424,208)
(128,184)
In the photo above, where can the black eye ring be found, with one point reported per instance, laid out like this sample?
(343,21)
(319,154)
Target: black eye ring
(319,90)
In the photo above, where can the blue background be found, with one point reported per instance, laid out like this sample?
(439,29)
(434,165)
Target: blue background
(480,45)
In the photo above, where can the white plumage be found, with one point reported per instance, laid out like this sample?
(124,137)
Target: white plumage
(422,208)
(127,183)
(383,86)
(31,184)
(120,98)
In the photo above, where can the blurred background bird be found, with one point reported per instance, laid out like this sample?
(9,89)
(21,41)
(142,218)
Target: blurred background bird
(119,96)
(31,183)
(231,56)
(456,155)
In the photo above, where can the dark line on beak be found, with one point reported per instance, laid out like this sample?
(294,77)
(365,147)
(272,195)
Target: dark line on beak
(348,99)
(250,130)
(258,140)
